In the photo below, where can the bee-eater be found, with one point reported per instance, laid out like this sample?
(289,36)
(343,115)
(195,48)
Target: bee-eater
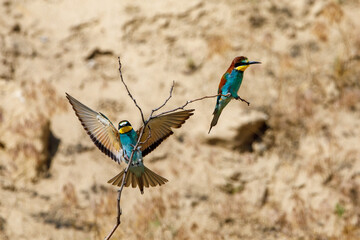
(119,144)
(229,85)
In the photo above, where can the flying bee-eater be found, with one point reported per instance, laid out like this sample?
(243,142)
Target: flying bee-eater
(119,143)
(229,85)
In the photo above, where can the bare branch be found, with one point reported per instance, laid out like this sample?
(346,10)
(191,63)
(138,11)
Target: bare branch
(130,160)
(122,186)
(195,100)
(198,99)
(170,95)
(135,148)
(148,137)
(129,93)
(243,100)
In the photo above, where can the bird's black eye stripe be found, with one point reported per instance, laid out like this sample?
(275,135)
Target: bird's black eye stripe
(240,64)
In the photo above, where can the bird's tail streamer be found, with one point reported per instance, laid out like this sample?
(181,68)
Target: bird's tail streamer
(215,119)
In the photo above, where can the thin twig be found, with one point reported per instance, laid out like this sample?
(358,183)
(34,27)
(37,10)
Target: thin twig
(243,100)
(119,212)
(122,187)
(129,93)
(148,137)
(195,100)
(170,95)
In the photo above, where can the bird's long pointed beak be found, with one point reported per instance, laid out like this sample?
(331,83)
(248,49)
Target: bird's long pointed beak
(253,62)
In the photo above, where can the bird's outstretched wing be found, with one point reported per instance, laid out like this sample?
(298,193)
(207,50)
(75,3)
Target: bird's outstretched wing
(100,129)
(160,129)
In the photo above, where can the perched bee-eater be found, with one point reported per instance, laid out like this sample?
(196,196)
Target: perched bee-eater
(119,144)
(229,85)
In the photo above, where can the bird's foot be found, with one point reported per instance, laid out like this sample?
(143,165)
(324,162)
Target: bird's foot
(222,96)
(243,100)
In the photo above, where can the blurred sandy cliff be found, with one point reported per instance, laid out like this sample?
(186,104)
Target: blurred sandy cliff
(286,167)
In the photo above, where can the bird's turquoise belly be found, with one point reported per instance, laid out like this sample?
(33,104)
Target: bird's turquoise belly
(233,83)
(128,142)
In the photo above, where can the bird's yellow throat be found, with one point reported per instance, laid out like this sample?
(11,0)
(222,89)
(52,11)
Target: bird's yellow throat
(242,68)
(125,129)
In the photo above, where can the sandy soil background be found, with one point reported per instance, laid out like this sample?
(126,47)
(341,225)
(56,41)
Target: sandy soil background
(286,167)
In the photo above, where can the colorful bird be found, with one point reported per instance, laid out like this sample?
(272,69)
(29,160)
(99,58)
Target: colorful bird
(119,144)
(229,85)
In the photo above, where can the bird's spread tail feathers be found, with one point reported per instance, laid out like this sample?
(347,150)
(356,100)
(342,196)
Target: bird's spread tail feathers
(148,178)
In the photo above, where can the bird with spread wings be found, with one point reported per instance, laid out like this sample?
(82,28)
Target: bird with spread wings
(119,143)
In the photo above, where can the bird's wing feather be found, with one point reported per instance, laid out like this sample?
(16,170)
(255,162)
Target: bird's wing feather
(100,129)
(161,128)
(222,83)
